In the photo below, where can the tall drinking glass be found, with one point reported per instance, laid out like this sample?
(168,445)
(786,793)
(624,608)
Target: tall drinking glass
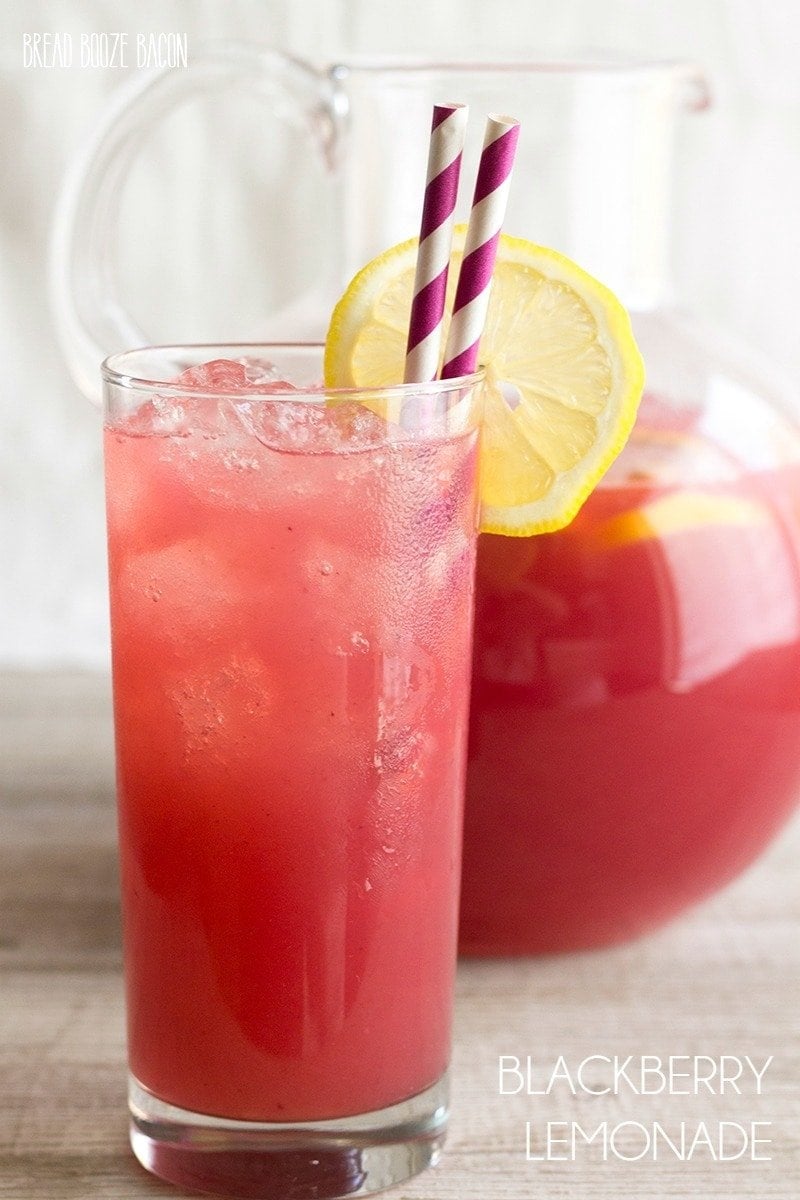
(291,598)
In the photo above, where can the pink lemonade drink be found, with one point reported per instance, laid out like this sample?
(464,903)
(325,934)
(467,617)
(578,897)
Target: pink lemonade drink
(291,599)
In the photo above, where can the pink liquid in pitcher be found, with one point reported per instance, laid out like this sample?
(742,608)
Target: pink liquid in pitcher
(635,723)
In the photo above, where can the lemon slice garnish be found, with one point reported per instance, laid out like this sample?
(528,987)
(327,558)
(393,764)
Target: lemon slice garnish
(564,375)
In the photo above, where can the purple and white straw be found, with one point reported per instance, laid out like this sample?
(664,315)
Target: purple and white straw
(480,248)
(436,234)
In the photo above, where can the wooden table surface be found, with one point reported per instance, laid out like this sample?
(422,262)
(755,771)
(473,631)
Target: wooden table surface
(722,981)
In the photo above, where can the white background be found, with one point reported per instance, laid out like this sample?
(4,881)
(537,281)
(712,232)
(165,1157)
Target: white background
(737,251)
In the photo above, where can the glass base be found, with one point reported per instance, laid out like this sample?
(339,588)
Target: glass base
(309,1160)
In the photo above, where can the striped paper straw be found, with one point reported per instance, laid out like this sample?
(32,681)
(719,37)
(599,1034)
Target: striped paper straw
(480,248)
(435,237)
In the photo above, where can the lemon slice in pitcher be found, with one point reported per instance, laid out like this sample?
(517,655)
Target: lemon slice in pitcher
(564,373)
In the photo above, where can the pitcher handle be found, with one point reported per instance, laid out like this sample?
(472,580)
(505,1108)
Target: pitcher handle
(90,320)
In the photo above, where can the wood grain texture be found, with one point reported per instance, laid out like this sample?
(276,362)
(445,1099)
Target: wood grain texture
(724,980)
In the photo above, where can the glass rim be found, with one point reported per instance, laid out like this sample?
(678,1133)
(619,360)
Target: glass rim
(113,373)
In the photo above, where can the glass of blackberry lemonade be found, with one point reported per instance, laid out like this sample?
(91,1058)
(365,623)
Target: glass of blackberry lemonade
(291,576)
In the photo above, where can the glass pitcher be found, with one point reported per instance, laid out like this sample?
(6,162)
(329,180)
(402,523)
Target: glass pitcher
(635,729)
